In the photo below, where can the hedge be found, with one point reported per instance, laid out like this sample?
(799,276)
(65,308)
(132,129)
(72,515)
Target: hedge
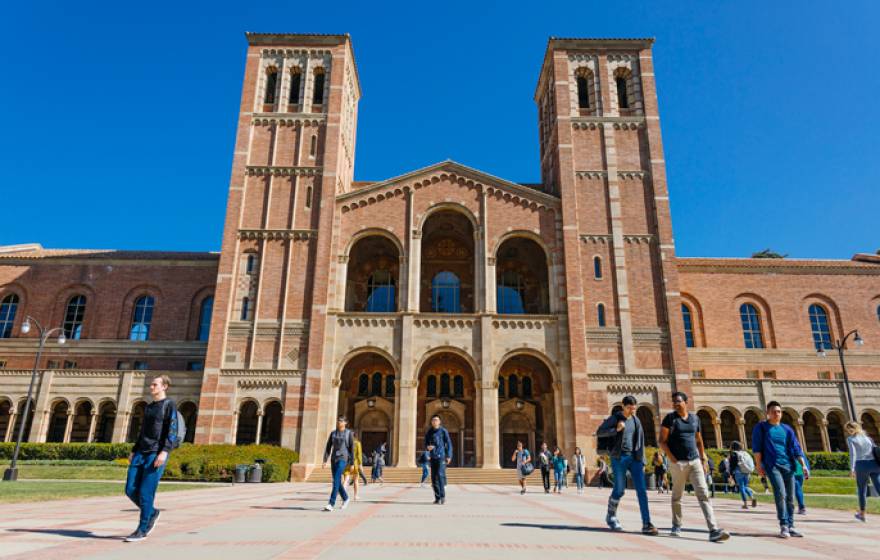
(189,462)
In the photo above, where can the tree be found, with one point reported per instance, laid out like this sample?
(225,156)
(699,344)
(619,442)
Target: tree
(768,254)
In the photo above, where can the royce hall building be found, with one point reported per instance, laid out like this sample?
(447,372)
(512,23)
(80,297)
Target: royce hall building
(514,311)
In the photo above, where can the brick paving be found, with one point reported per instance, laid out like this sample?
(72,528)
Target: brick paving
(398,521)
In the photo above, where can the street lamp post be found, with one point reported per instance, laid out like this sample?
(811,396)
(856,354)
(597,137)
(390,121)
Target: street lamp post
(840,346)
(11,473)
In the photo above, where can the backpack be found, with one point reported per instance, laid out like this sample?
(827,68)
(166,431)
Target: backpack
(605,444)
(745,463)
(177,430)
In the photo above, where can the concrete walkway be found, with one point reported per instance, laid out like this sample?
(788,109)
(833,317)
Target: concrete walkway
(396,521)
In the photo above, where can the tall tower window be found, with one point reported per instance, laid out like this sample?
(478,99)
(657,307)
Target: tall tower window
(308,196)
(8,307)
(446,293)
(819,327)
(245,308)
(271,85)
(622,93)
(688,320)
(251,262)
(583,88)
(751,326)
(313,145)
(142,318)
(600,314)
(318,93)
(295,84)
(205,311)
(597,267)
(73,317)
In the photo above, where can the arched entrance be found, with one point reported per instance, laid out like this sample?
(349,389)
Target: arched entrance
(58,422)
(273,415)
(82,422)
(446,387)
(751,420)
(5,414)
(19,417)
(870,425)
(707,428)
(646,417)
(190,413)
(521,277)
(729,431)
(526,405)
(447,264)
(366,398)
(373,275)
(137,419)
(246,431)
(836,436)
(106,420)
(812,432)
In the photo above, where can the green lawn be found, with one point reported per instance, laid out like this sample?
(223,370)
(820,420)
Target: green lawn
(69,470)
(32,491)
(845,503)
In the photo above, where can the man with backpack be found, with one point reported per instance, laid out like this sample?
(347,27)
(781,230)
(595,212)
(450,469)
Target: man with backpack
(339,450)
(621,435)
(545,460)
(162,430)
(439,446)
(741,468)
(681,440)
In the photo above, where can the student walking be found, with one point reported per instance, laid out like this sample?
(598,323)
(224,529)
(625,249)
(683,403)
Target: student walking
(799,485)
(725,472)
(558,470)
(710,476)
(681,440)
(160,433)
(863,465)
(602,475)
(659,462)
(579,462)
(378,464)
(340,451)
(545,460)
(624,438)
(424,461)
(741,468)
(776,450)
(355,469)
(439,446)
(522,457)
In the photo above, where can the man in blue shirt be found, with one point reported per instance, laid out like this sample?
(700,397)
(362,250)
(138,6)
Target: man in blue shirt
(777,452)
(439,446)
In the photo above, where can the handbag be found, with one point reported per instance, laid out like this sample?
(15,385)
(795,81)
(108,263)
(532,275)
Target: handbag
(527,469)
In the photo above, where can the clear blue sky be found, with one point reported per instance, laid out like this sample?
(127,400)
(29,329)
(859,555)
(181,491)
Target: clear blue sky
(118,117)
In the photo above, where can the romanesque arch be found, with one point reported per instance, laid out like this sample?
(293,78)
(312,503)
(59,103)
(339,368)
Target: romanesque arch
(246,429)
(751,419)
(273,418)
(813,426)
(105,423)
(82,421)
(871,424)
(521,276)
(58,413)
(453,397)
(367,384)
(373,274)
(526,399)
(448,275)
(190,412)
(729,427)
(707,426)
(836,435)
(5,417)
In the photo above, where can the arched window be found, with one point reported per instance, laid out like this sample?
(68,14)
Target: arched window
(751,325)
(512,386)
(295,84)
(444,385)
(622,94)
(205,311)
(245,308)
(432,386)
(878,314)
(389,386)
(600,314)
(8,307)
(271,85)
(583,87)
(313,149)
(380,292)
(318,95)
(376,385)
(527,387)
(501,387)
(510,293)
(73,317)
(597,268)
(363,385)
(820,328)
(251,262)
(445,293)
(308,200)
(688,321)
(141,318)
(458,386)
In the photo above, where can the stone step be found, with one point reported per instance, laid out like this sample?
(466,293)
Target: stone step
(457,475)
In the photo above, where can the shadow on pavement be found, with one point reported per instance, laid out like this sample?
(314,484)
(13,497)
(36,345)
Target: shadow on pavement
(73,533)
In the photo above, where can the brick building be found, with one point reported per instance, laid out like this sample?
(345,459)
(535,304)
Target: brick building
(515,311)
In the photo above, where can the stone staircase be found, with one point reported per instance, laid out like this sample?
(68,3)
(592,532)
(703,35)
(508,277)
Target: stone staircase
(457,475)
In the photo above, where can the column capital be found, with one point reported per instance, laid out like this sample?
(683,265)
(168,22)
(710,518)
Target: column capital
(488,384)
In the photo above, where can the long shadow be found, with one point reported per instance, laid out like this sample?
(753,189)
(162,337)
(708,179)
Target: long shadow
(286,508)
(556,527)
(73,533)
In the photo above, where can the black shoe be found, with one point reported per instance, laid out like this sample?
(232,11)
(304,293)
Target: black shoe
(436,501)
(137,536)
(442,501)
(153,520)
(649,529)
(719,535)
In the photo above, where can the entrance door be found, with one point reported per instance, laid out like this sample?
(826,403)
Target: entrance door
(456,449)
(370,441)
(508,448)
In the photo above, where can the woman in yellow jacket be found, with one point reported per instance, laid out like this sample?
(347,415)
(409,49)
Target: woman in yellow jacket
(356,468)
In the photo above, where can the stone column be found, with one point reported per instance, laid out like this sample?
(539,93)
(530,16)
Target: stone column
(68,427)
(716,424)
(93,423)
(823,431)
(491,434)
(479,271)
(10,429)
(799,428)
(414,258)
(42,413)
(234,430)
(406,429)
(741,429)
(259,426)
(123,407)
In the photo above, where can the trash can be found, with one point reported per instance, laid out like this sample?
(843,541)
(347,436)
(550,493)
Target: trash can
(255,473)
(240,473)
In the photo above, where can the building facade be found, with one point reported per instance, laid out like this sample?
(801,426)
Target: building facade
(514,311)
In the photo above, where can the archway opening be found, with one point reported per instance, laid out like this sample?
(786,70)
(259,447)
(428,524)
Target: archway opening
(367,386)
(707,428)
(58,422)
(729,431)
(836,436)
(273,416)
(526,405)
(190,413)
(447,267)
(246,432)
(373,276)
(521,277)
(646,417)
(82,422)
(19,417)
(137,420)
(5,416)
(812,432)
(751,420)
(106,421)
(453,399)
(869,424)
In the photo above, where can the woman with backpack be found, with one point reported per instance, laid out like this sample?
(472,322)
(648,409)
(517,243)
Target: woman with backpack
(523,461)
(741,467)
(863,463)
(558,463)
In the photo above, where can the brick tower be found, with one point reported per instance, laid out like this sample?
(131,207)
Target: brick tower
(601,152)
(294,152)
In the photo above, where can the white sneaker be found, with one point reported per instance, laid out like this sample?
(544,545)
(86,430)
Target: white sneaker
(344,504)
(328,507)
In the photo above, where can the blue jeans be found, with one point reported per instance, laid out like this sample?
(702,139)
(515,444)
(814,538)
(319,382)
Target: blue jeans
(438,478)
(799,490)
(558,479)
(742,481)
(579,480)
(866,469)
(141,484)
(620,467)
(425,473)
(782,481)
(337,469)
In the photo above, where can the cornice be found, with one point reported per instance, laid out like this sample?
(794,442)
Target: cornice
(775,266)
(278,234)
(292,373)
(289,119)
(282,171)
(617,123)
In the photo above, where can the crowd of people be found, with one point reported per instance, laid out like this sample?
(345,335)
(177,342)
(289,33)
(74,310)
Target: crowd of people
(680,464)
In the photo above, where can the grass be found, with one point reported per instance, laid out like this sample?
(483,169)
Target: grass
(844,503)
(32,491)
(70,470)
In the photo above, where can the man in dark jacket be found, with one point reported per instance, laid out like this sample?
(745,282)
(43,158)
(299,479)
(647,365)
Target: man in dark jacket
(339,450)
(544,460)
(158,436)
(439,446)
(627,455)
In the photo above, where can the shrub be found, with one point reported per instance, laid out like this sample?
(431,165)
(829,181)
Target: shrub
(67,451)
(829,461)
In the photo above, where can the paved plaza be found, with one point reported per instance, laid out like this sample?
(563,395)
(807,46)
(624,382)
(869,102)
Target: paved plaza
(398,521)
